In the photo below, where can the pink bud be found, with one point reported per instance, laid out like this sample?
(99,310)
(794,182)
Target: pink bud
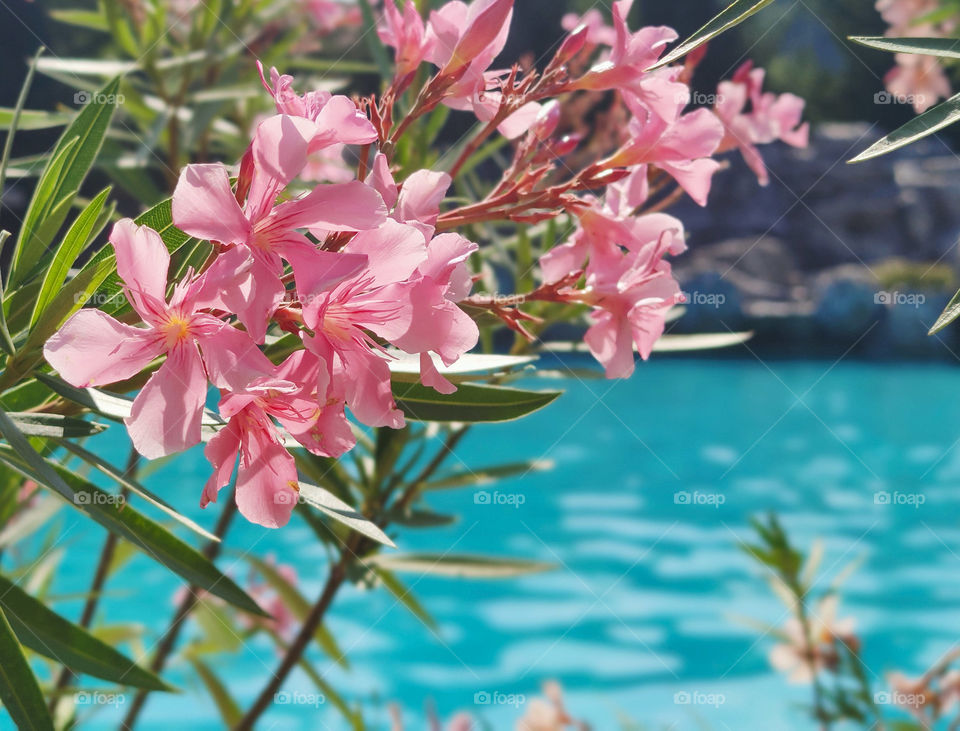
(572,44)
(482,32)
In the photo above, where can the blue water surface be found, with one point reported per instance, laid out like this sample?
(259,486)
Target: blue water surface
(653,614)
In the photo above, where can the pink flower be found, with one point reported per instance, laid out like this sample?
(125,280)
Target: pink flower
(770,118)
(329,15)
(401,296)
(921,79)
(548,713)
(463,41)
(682,148)
(797,658)
(267,481)
(406,33)
(626,68)
(631,297)
(204,206)
(93,348)
(598,32)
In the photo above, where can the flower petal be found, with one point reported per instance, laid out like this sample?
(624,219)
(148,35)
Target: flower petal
(93,349)
(204,206)
(166,413)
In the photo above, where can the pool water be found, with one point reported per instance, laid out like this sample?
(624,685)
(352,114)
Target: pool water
(655,480)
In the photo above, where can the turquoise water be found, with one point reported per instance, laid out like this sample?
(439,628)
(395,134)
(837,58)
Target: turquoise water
(650,594)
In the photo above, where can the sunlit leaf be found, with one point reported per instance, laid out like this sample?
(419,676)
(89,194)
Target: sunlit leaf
(733,15)
(332,506)
(943,47)
(950,313)
(55,425)
(931,121)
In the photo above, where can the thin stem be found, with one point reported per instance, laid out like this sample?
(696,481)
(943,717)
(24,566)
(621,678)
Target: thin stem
(100,574)
(356,547)
(187,605)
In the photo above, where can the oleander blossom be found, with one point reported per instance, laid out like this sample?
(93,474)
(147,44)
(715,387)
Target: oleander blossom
(335,247)
(917,79)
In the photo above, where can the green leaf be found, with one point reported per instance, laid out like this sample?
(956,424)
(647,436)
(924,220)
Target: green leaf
(470,403)
(333,507)
(19,691)
(949,314)
(80,143)
(32,119)
(16,115)
(459,565)
(373,40)
(733,15)
(932,120)
(943,47)
(488,475)
(81,18)
(405,596)
(160,219)
(54,425)
(298,605)
(229,710)
(406,367)
(76,239)
(152,538)
(135,487)
(47,633)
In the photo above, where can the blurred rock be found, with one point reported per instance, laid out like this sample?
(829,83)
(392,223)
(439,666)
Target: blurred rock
(792,261)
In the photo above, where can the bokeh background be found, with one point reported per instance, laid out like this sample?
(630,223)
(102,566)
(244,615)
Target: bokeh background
(840,398)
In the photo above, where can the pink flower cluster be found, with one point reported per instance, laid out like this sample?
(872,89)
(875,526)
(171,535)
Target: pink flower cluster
(918,79)
(353,270)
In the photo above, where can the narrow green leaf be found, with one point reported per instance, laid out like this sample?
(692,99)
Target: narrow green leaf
(733,15)
(942,47)
(229,710)
(298,606)
(332,506)
(459,566)
(15,117)
(31,119)
(950,313)
(81,18)
(373,40)
(152,538)
(47,633)
(135,487)
(54,425)
(470,403)
(82,141)
(75,241)
(19,691)
(932,120)
(6,342)
(405,596)
(488,475)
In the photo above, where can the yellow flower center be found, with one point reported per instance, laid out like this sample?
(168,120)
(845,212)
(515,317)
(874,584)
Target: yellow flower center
(177,330)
